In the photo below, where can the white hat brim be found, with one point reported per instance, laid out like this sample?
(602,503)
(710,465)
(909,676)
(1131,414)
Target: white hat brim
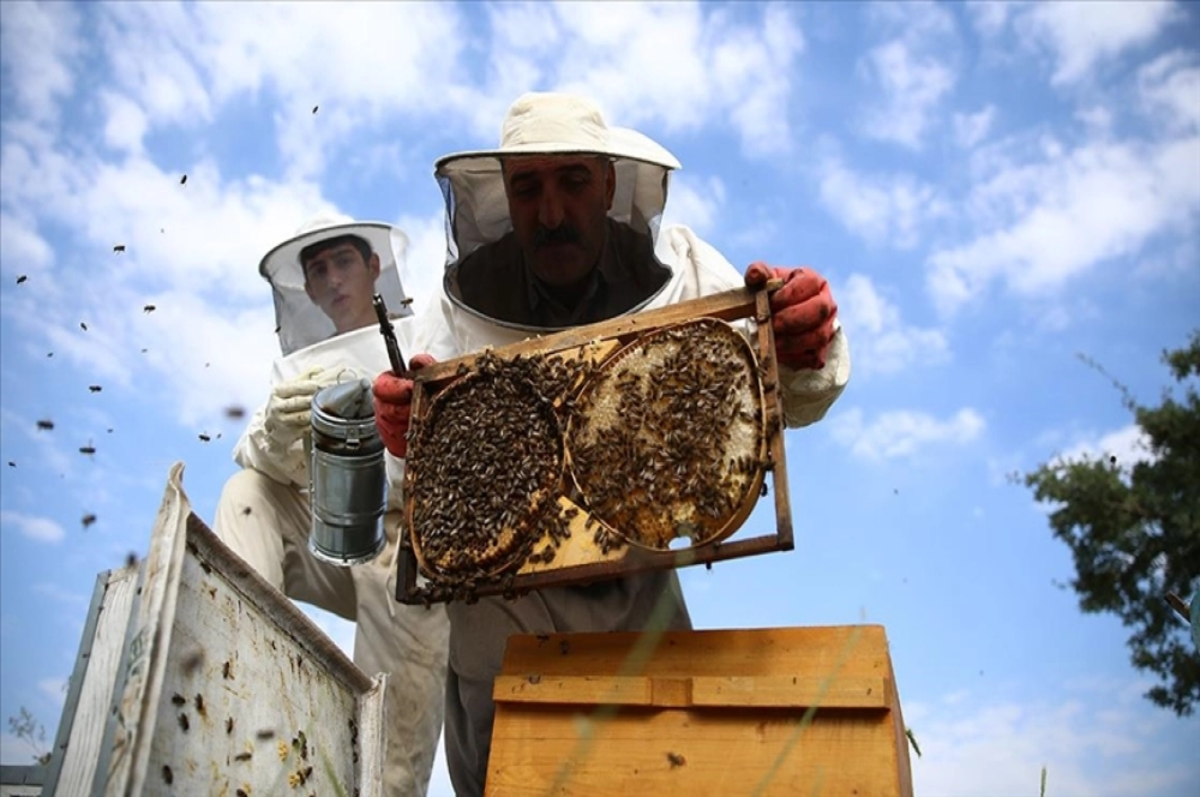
(623,143)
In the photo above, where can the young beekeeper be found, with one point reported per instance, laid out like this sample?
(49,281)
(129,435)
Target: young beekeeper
(323,281)
(560,227)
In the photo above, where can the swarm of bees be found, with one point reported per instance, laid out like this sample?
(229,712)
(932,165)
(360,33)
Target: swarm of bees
(664,439)
(483,467)
(669,439)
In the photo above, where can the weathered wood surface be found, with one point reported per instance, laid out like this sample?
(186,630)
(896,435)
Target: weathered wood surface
(97,669)
(702,712)
(225,685)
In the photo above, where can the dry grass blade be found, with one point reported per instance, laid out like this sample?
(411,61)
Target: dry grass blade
(810,712)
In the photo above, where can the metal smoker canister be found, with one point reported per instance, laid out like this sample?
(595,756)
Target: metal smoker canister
(347,476)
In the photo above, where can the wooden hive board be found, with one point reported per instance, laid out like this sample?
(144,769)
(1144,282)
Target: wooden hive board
(552,534)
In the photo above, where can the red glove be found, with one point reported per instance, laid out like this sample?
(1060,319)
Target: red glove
(802,310)
(393,406)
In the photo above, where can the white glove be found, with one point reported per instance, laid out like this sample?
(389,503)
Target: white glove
(289,410)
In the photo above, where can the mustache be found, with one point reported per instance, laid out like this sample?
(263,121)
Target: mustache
(559,235)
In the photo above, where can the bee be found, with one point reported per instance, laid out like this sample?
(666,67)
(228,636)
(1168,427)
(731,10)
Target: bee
(183,180)
(192,661)
(184,724)
(94,388)
(149,308)
(83,326)
(45,425)
(88,520)
(21,279)
(204,438)
(229,726)
(178,699)
(119,248)
(167,776)
(676,760)
(199,704)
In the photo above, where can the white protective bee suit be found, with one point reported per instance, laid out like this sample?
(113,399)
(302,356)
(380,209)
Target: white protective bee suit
(689,268)
(263,513)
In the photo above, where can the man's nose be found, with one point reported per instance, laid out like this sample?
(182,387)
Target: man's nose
(550,209)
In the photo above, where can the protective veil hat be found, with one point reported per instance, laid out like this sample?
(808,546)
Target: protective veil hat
(300,322)
(550,123)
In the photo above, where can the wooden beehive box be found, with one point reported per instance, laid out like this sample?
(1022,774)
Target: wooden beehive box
(576,539)
(196,677)
(780,711)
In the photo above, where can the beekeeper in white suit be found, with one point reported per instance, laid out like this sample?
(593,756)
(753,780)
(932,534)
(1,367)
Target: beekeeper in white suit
(557,228)
(323,281)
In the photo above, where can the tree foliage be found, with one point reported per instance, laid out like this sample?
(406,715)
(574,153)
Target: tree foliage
(1134,531)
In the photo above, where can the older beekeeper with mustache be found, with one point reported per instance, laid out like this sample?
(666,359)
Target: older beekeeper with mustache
(556,228)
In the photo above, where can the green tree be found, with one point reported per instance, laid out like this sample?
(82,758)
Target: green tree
(1135,532)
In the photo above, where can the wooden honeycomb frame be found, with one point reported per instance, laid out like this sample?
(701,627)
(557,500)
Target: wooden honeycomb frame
(582,567)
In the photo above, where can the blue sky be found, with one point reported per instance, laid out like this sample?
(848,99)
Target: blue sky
(990,188)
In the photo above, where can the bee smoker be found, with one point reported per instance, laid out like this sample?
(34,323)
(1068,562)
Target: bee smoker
(347,476)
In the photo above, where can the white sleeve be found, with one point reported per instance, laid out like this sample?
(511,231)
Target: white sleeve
(808,395)
(255,450)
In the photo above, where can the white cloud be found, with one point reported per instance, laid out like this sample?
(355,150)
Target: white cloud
(971,128)
(1098,119)
(695,202)
(1129,445)
(22,249)
(426,261)
(35,528)
(913,86)
(676,65)
(55,689)
(1083,35)
(1052,220)
(13,749)
(56,593)
(883,209)
(900,433)
(125,124)
(911,67)
(1096,741)
(181,64)
(1169,87)
(39,46)
(882,342)
(989,17)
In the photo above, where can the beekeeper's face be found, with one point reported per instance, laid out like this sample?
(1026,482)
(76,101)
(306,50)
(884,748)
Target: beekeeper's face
(558,205)
(341,283)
